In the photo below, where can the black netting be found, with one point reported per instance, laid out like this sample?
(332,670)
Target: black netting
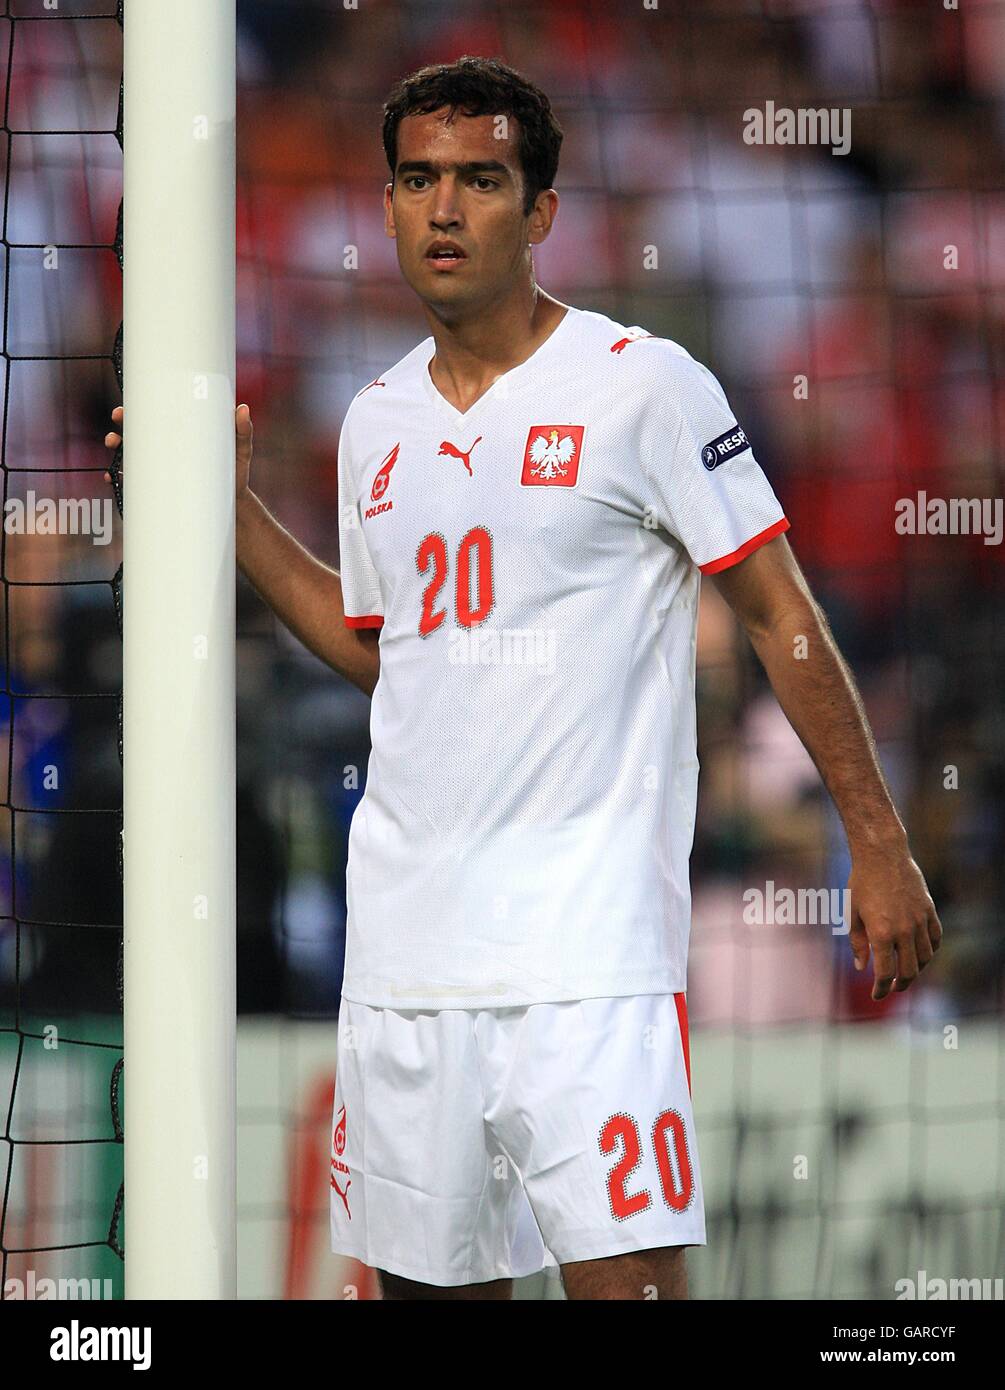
(61,849)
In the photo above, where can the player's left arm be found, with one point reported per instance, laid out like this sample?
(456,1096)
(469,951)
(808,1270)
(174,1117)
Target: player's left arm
(891,909)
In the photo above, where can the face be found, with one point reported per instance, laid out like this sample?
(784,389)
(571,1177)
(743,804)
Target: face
(456,212)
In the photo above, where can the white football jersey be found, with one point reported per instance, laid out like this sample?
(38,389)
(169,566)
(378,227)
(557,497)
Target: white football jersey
(533,566)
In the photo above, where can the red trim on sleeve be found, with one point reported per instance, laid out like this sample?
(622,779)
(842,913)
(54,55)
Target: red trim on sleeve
(747,548)
(370,620)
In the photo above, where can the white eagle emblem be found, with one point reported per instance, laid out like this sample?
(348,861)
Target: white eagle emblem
(550,456)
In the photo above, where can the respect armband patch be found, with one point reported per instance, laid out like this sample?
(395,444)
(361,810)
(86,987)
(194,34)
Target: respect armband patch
(717,451)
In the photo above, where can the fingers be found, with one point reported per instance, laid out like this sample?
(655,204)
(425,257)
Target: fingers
(893,916)
(242,416)
(244,445)
(884,967)
(899,955)
(924,946)
(113,440)
(933,929)
(859,941)
(242,424)
(907,961)
(927,938)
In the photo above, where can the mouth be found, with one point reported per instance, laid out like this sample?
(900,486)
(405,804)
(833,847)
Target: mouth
(445,255)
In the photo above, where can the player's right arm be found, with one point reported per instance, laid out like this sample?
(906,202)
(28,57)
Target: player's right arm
(304,593)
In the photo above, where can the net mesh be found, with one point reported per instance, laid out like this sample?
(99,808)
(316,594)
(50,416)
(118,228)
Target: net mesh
(60,857)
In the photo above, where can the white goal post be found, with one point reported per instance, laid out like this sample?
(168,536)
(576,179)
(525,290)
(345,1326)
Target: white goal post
(178,678)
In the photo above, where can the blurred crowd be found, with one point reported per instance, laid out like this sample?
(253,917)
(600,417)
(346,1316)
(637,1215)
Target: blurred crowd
(862,357)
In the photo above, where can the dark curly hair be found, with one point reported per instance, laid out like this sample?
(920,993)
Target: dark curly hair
(481,87)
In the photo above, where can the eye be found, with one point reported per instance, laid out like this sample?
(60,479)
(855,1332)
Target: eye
(484,183)
(412,179)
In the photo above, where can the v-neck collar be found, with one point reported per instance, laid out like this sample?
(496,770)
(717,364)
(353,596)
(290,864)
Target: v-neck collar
(440,401)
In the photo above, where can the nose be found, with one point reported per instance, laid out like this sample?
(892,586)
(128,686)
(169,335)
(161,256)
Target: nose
(446,211)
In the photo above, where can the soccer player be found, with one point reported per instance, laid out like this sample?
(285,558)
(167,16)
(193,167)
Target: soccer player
(528,500)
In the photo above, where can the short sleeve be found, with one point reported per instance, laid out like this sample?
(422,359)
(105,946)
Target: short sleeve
(361,596)
(703,478)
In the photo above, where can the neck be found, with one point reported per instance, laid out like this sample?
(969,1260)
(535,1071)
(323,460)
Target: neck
(472,352)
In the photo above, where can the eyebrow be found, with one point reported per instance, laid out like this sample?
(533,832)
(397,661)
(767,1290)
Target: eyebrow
(475,166)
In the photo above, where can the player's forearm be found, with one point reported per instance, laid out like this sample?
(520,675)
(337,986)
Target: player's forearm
(305,594)
(816,690)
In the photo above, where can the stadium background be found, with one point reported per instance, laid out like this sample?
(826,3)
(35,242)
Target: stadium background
(774,262)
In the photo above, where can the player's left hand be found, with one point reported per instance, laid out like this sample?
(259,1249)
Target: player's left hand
(893,914)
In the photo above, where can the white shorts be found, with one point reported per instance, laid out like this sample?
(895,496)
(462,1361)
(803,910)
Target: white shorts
(482,1144)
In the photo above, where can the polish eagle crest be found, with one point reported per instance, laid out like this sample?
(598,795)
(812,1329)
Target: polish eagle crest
(551,455)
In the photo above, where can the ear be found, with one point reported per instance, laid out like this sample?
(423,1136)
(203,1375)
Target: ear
(542,216)
(389,227)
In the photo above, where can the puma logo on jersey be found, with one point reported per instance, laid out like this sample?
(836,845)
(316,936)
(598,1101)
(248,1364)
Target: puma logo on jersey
(382,480)
(622,343)
(552,455)
(376,382)
(451,451)
(343,1192)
